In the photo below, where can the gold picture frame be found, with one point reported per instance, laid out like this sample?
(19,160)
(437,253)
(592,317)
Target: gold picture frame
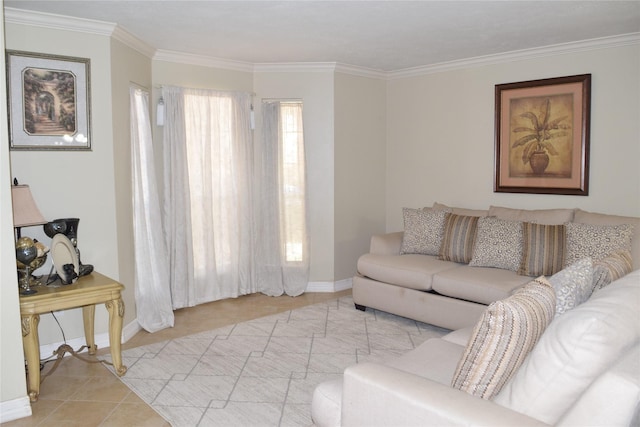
(542,136)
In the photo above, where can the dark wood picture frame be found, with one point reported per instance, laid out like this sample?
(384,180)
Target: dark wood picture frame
(48,101)
(542,136)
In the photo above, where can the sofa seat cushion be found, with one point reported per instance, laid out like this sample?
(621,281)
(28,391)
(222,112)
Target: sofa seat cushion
(410,271)
(435,359)
(478,284)
(459,336)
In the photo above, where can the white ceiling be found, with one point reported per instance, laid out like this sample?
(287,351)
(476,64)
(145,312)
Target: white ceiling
(378,35)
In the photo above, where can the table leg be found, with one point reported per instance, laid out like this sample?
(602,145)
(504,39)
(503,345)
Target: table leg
(116,313)
(88,316)
(32,353)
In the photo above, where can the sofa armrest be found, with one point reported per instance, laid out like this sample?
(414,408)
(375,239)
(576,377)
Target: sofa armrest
(378,395)
(386,244)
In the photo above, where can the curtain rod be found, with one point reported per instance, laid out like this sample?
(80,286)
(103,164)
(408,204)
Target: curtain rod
(253,94)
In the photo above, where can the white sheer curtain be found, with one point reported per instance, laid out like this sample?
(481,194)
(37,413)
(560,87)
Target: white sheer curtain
(282,259)
(152,294)
(208,194)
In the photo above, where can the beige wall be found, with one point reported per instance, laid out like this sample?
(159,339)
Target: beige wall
(359,157)
(72,183)
(315,88)
(13,390)
(440,139)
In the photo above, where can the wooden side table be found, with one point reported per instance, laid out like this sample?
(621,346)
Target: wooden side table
(86,293)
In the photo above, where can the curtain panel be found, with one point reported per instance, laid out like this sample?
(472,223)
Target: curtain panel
(152,294)
(208,165)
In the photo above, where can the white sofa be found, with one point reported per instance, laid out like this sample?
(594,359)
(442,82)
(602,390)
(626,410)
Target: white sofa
(583,371)
(450,294)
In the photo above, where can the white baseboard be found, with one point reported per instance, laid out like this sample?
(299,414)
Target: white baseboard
(14,409)
(130,330)
(338,286)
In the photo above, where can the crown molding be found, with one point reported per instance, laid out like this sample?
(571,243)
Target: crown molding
(520,55)
(283,67)
(87,26)
(57,22)
(133,42)
(205,61)
(361,71)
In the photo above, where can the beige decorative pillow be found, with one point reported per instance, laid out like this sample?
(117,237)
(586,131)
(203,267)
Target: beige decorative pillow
(498,244)
(459,238)
(423,230)
(611,268)
(503,337)
(573,285)
(543,249)
(596,241)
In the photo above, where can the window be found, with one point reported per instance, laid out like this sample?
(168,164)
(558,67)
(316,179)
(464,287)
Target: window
(292,172)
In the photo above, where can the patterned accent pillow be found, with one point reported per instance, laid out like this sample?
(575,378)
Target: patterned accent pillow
(503,337)
(573,285)
(459,237)
(543,249)
(423,230)
(498,244)
(596,241)
(611,268)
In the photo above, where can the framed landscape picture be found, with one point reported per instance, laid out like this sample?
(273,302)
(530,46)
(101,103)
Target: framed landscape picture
(49,102)
(542,136)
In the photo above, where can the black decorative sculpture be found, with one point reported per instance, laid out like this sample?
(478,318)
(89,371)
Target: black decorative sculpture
(68,227)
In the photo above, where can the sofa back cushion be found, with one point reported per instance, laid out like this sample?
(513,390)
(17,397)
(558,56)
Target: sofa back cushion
(585,217)
(460,211)
(612,399)
(576,348)
(539,216)
(503,337)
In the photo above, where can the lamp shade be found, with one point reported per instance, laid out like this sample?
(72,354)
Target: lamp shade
(25,210)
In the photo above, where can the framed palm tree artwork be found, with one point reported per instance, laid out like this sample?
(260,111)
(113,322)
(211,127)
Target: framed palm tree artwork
(542,136)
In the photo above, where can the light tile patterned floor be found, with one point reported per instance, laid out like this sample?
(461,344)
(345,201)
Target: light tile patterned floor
(263,372)
(82,394)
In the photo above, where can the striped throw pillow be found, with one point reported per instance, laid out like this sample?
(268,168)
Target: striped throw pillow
(505,334)
(543,249)
(611,268)
(459,237)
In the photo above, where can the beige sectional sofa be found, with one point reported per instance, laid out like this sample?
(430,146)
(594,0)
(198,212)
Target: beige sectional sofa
(584,371)
(560,349)
(450,294)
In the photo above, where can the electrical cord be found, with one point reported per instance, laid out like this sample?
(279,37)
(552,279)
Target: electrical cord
(62,350)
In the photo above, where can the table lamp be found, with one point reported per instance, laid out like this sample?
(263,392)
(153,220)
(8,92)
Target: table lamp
(26,214)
